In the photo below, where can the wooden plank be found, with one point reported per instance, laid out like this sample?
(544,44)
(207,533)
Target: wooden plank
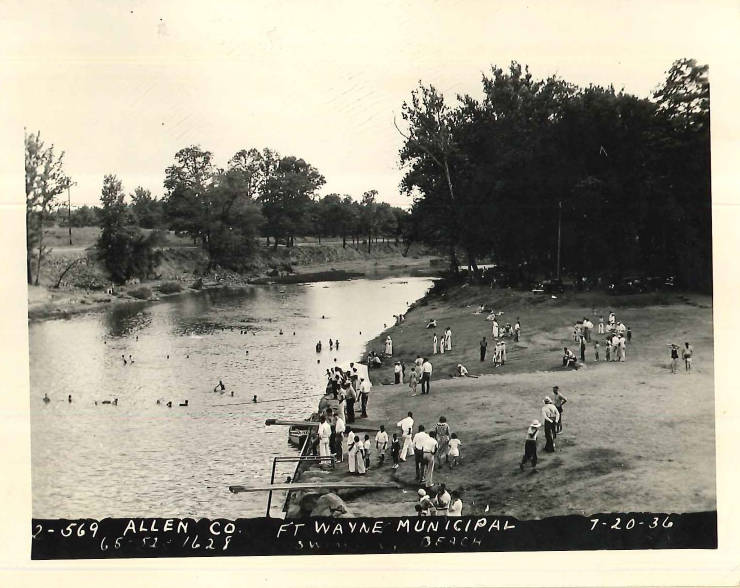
(315,424)
(310,485)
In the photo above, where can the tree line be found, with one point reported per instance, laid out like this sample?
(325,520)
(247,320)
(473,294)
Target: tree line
(622,182)
(224,210)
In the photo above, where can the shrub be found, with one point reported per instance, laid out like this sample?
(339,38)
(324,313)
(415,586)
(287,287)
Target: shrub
(198,284)
(143,293)
(170,288)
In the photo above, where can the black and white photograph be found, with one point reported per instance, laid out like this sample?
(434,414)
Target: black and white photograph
(331,279)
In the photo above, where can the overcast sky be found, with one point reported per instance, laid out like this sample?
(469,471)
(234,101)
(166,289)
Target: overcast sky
(121,86)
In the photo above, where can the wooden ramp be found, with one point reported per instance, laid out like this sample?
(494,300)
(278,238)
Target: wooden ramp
(312,485)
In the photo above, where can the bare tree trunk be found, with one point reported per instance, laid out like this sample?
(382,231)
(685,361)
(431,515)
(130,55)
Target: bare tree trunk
(344,241)
(369,241)
(453,261)
(64,273)
(41,245)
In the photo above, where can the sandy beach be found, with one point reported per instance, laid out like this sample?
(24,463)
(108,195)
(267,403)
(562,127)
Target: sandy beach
(635,437)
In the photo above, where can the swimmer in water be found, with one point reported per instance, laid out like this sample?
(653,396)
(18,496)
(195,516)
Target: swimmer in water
(184,403)
(281,331)
(46,398)
(294,333)
(169,404)
(247,352)
(168,356)
(220,386)
(131,359)
(137,337)
(232,393)
(331,345)
(159,401)
(254,398)
(69,398)
(115,402)
(336,344)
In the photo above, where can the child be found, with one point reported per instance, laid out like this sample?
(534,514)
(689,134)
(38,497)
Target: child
(395,450)
(456,505)
(453,455)
(412,381)
(381,443)
(629,335)
(596,350)
(366,451)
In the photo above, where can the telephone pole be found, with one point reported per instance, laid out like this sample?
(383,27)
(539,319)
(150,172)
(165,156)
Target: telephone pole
(560,214)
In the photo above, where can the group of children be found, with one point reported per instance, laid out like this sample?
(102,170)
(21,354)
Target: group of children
(445,344)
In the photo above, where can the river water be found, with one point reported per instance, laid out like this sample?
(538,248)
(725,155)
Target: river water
(143,459)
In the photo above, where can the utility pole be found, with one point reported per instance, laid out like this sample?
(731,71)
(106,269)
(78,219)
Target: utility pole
(69,214)
(560,215)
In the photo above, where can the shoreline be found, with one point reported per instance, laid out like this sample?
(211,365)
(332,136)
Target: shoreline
(45,303)
(491,411)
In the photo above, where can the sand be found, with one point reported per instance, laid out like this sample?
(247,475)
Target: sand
(635,436)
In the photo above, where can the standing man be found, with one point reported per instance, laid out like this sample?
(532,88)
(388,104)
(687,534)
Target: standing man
(426,376)
(559,400)
(418,442)
(674,358)
(407,426)
(550,416)
(687,353)
(364,394)
(601,325)
(583,349)
(621,341)
(339,428)
(483,346)
(324,437)
(530,445)
(517,329)
(397,372)
(429,446)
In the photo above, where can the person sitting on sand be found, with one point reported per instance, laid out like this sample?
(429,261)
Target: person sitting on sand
(461,371)
(425,503)
(431,324)
(569,358)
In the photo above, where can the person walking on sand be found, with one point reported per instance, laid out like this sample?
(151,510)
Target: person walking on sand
(442,431)
(687,354)
(434,344)
(559,401)
(426,376)
(674,358)
(448,339)
(530,445)
(453,454)
(407,426)
(483,347)
(430,450)
(550,416)
(413,381)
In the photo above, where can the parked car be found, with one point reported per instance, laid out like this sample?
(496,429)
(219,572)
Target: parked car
(633,285)
(549,287)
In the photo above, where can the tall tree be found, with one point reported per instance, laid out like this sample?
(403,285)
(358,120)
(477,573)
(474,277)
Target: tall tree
(45,180)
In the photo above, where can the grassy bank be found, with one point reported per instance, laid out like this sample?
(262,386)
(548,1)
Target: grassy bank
(635,438)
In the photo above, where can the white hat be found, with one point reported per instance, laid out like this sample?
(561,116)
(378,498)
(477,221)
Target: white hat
(535,424)
(548,400)
(422,492)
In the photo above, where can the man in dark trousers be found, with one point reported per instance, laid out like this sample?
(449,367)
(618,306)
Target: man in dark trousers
(550,416)
(349,397)
(530,446)
(583,349)
(418,443)
(483,345)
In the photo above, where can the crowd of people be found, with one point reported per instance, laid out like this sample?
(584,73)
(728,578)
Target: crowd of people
(616,337)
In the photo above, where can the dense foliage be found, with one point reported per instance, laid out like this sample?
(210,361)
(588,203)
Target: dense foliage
(630,176)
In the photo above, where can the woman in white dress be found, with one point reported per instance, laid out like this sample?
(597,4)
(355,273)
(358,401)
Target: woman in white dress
(359,456)
(352,446)
(388,345)
(434,343)
(448,339)
(494,329)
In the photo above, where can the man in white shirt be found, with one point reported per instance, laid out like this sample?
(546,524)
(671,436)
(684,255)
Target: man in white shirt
(339,428)
(324,433)
(407,426)
(364,394)
(426,376)
(550,416)
(418,443)
(381,443)
(429,448)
